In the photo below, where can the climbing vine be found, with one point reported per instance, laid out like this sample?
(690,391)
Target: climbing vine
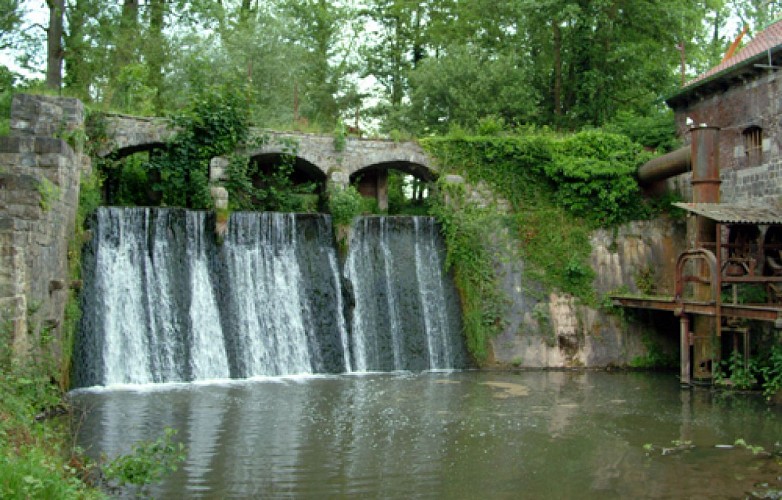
(213,124)
(558,189)
(466,228)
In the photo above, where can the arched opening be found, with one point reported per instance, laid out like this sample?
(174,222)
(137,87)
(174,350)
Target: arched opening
(286,182)
(399,187)
(126,177)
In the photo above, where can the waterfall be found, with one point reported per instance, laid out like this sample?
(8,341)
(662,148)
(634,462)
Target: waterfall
(406,314)
(164,301)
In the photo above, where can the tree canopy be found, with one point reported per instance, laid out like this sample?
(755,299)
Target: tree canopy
(420,67)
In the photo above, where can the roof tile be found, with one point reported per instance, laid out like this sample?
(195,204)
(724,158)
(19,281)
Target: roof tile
(767,39)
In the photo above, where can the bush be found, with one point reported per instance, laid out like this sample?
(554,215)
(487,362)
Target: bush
(593,174)
(344,205)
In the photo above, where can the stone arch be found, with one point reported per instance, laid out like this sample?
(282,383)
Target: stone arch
(372,180)
(304,170)
(131,149)
(130,134)
(416,169)
(116,176)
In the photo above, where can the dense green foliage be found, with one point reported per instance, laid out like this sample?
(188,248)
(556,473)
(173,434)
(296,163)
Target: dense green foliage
(764,371)
(416,67)
(213,124)
(467,229)
(33,453)
(558,188)
(344,205)
(593,175)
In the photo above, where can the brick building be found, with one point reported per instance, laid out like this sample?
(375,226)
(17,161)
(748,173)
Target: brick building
(743,97)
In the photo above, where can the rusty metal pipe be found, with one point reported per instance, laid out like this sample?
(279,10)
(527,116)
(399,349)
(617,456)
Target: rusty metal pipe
(706,165)
(670,164)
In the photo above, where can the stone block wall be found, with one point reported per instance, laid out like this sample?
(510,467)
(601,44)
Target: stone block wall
(554,331)
(39,191)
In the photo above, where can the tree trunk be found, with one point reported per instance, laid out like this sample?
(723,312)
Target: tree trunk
(77,74)
(557,90)
(54,54)
(156,50)
(129,31)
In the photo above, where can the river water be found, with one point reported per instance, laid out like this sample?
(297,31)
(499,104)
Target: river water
(462,434)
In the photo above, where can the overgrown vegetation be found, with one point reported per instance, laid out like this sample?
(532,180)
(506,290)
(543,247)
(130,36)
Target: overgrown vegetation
(763,371)
(147,463)
(559,190)
(48,193)
(344,204)
(467,229)
(34,451)
(214,123)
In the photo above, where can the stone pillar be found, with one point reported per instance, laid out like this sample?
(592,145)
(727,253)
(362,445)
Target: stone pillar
(382,190)
(338,179)
(40,170)
(218,167)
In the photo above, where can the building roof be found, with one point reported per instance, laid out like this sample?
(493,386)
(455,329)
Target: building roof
(763,50)
(735,214)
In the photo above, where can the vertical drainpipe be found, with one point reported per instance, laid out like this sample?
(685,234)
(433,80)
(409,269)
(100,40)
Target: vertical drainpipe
(705,189)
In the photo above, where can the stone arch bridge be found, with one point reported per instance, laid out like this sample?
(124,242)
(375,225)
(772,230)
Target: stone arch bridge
(318,158)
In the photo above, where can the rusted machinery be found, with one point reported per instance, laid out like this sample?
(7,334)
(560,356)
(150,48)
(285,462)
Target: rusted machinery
(735,249)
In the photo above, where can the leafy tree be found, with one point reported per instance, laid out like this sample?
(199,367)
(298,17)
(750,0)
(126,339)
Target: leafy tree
(466,85)
(319,29)
(757,14)
(10,20)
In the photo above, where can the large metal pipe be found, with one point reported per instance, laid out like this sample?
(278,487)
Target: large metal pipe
(706,189)
(706,165)
(670,164)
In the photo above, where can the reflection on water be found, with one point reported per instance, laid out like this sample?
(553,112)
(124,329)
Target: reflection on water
(446,435)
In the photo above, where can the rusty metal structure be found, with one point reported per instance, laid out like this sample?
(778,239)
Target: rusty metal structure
(736,254)
(670,164)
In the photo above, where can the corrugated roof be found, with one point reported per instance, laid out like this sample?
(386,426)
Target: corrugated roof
(735,214)
(768,39)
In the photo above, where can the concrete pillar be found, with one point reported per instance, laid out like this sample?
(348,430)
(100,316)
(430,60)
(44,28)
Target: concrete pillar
(684,346)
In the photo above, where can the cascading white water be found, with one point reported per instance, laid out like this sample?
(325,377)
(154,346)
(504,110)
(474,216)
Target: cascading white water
(120,274)
(264,293)
(404,317)
(428,268)
(163,301)
(208,359)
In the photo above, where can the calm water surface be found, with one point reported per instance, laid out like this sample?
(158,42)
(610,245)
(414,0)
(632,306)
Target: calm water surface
(447,435)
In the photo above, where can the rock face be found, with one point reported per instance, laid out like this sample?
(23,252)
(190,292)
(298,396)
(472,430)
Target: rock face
(39,191)
(557,332)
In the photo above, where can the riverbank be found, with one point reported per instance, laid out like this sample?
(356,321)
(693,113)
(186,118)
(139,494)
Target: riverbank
(38,454)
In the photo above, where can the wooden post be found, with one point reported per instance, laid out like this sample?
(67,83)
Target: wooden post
(684,342)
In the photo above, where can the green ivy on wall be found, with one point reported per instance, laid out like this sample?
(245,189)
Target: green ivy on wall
(559,190)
